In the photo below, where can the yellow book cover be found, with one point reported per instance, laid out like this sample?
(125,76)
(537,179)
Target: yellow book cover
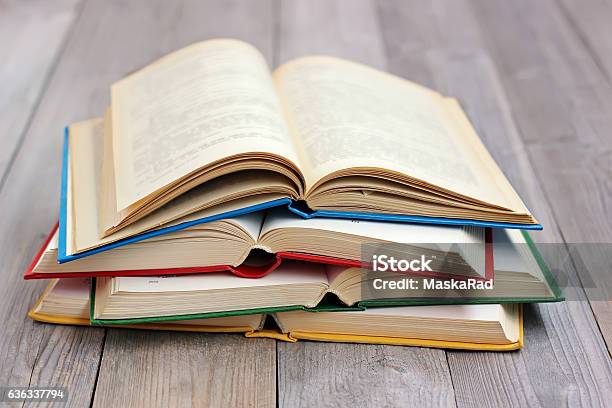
(498,328)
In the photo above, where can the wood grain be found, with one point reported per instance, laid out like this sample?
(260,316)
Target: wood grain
(31,38)
(313,374)
(457,63)
(349,375)
(591,21)
(32,35)
(68,357)
(171,369)
(342,28)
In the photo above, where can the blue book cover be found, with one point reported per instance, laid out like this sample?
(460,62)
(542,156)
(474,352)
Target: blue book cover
(293,206)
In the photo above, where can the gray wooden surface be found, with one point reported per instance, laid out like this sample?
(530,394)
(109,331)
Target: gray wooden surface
(535,78)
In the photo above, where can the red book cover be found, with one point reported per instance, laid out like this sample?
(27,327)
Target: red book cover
(247,271)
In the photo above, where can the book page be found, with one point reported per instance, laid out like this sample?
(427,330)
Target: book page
(75,293)
(65,298)
(347,115)
(512,254)
(251,223)
(107,198)
(290,273)
(192,108)
(403,233)
(76,288)
(490,312)
(496,324)
(85,142)
(362,239)
(84,199)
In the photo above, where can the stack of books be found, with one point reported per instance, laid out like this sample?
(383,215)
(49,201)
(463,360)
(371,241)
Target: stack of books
(323,201)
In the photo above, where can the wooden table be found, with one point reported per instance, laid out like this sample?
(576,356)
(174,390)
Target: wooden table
(535,77)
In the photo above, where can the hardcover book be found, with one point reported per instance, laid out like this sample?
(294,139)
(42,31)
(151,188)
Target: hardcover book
(208,132)
(471,327)
(253,245)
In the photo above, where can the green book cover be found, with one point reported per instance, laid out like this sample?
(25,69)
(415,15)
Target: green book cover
(322,307)
(329,305)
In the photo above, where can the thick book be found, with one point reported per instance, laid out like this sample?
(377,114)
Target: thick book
(209,132)
(255,244)
(470,327)
(299,286)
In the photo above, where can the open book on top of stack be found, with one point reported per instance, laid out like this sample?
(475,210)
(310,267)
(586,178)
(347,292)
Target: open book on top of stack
(208,132)
(472,327)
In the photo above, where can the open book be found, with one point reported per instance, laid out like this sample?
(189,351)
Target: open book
(254,244)
(476,327)
(208,131)
(300,286)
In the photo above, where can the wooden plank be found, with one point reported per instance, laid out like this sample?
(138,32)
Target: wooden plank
(310,373)
(591,22)
(109,40)
(31,38)
(550,370)
(32,35)
(362,375)
(564,337)
(171,369)
(68,357)
(342,28)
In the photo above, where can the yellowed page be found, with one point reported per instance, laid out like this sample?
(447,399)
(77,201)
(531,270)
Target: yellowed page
(376,231)
(474,147)
(107,199)
(70,298)
(194,107)
(353,239)
(348,115)
(220,195)
(497,324)
(291,273)
(85,141)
